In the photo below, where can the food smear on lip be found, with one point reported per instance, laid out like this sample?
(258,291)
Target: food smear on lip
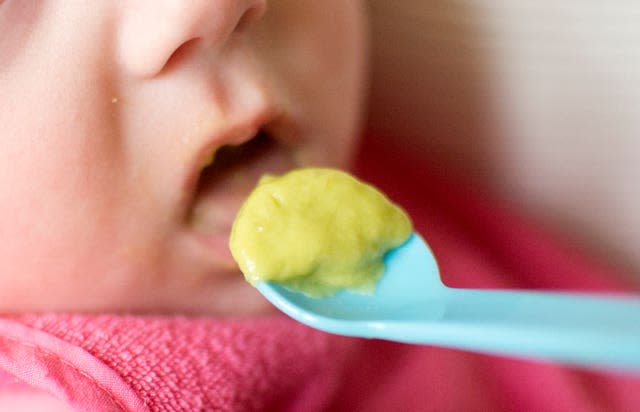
(316,231)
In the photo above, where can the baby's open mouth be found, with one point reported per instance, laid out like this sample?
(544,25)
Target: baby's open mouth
(228,158)
(223,185)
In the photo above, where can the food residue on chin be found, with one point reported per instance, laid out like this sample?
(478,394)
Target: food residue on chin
(316,231)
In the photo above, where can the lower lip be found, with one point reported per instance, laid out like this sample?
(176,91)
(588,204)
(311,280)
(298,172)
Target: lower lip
(217,248)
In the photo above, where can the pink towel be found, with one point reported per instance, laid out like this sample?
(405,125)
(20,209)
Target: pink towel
(116,363)
(127,363)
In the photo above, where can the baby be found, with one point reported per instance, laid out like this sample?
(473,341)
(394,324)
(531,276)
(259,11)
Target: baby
(118,118)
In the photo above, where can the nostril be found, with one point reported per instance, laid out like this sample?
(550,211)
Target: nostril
(183,51)
(180,54)
(250,16)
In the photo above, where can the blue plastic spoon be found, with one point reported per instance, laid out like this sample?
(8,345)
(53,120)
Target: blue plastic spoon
(411,304)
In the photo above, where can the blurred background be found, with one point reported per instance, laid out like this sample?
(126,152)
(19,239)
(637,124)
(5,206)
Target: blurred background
(538,102)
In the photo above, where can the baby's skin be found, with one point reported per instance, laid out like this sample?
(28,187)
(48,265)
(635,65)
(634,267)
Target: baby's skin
(110,112)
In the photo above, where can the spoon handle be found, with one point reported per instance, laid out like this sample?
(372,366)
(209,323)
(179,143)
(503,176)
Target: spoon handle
(580,329)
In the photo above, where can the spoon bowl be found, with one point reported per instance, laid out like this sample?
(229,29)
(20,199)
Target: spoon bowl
(411,304)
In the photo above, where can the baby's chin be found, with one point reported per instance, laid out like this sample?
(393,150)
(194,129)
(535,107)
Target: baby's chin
(222,295)
(156,287)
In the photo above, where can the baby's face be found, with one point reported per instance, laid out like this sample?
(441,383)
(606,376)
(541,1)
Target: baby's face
(109,112)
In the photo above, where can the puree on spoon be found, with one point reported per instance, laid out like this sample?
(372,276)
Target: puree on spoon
(316,231)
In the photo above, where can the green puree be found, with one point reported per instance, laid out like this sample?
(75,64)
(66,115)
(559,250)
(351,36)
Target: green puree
(316,231)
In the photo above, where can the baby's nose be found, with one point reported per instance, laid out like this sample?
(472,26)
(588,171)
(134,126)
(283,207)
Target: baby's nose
(151,31)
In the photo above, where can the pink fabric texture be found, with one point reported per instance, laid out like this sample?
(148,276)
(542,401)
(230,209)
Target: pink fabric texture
(116,363)
(153,363)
